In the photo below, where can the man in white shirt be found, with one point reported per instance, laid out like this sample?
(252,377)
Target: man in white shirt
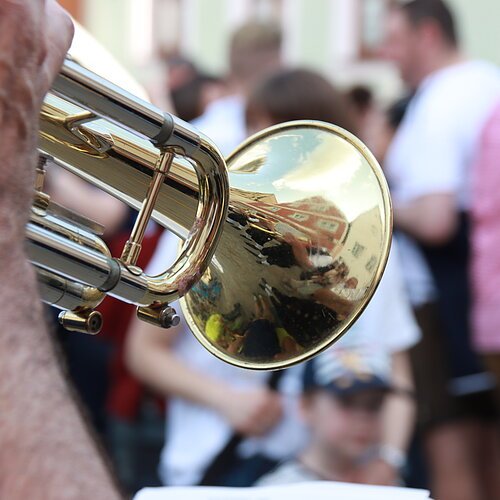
(428,168)
(255,52)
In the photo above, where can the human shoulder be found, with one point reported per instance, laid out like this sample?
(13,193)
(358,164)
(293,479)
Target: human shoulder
(224,122)
(218,110)
(467,71)
(475,71)
(458,90)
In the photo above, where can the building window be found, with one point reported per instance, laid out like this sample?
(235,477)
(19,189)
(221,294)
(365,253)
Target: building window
(358,250)
(370,265)
(328,225)
(322,208)
(299,217)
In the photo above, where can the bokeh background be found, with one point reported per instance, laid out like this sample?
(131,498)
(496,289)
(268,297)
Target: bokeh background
(336,37)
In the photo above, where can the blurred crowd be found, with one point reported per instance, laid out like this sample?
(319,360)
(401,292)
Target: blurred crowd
(411,395)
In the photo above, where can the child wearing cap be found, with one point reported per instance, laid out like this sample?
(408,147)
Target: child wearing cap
(343,394)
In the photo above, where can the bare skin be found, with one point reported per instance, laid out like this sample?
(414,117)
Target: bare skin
(151,358)
(397,423)
(431,219)
(46,450)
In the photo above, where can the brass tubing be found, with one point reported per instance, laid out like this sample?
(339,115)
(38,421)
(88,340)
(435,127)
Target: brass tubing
(115,150)
(66,294)
(72,260)
(83,87)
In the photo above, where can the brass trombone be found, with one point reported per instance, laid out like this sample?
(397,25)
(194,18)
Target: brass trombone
(283,248)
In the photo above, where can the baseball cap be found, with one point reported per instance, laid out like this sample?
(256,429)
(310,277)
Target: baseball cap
(345,371)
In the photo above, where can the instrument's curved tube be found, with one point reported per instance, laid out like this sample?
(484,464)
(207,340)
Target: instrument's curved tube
(171,137)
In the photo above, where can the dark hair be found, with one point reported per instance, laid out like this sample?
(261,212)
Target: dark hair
(260,340)
(361,97)
(438,11)
(299,94)
(187,98)
(396,111)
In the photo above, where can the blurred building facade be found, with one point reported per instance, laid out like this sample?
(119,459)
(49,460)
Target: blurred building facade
(337,37)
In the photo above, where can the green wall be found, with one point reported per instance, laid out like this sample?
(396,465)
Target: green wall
(314,34)
(212,35)
(108,20)
(479,22)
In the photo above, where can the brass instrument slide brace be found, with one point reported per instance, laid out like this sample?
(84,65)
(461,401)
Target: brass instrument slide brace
(40,172)
(133,246)
(41,200)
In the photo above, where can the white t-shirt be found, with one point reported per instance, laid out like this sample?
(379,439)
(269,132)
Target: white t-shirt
(224,123)
(195,434)
(434,148)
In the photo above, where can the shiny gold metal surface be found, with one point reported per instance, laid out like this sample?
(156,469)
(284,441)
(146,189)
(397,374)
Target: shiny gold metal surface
(125,146)
(303,248)
(281,252)
(86,321)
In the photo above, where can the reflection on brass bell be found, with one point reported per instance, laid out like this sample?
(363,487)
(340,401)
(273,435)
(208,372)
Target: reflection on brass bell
(304,246)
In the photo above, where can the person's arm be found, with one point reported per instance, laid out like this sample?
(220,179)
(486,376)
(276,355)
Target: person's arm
(150,356)
(46,450)
(399,411)
(430,219)
(398,425)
